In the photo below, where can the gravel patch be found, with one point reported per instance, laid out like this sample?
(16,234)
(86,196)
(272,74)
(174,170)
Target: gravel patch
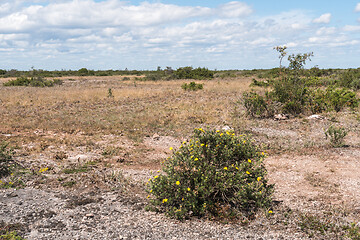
(65,215)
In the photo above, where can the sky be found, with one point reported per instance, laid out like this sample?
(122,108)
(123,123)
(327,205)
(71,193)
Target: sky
(142,35)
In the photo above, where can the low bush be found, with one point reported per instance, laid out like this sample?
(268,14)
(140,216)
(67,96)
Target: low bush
(336,135)
(340,98)
(257,105)
(295,90)
(192,86)
(215,174)
(33,82)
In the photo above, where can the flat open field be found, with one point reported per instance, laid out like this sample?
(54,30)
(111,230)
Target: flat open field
(88,157)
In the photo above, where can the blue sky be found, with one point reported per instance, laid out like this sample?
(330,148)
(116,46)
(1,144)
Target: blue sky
(114,34)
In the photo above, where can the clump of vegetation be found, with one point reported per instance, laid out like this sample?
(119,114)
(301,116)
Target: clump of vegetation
(33,82)
(257,105)
(293,90)
(180,73)
(11,236)
(215,174)
(110,93)
(350,78)
(5,160)
(336,135)
(192,86)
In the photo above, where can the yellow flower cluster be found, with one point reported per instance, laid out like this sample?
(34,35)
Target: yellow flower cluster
(43,170)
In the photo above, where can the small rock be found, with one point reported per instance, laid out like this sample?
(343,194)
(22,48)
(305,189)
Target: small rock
(89,215)
(226,128)
(316,116)
(156,137)
(279,117)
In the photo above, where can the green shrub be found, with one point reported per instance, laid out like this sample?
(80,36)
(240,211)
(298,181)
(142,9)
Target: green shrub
(33,82)
(190,73)
(257,105)
(340,98)
(215,174)
(192,86)
(336,135)
(5,159)
(350,78)
(317,101)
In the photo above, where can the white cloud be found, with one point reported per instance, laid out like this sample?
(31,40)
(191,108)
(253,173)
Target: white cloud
(325,18)
(326,31)
(235,9)
(351,28)
(357,8)
(113,33)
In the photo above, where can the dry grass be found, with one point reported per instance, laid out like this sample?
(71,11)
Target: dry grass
(148,107)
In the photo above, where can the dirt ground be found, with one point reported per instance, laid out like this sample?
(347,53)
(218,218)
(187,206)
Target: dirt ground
(75,140)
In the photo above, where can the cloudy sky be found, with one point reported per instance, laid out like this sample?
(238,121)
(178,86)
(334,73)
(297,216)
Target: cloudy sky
(115,34)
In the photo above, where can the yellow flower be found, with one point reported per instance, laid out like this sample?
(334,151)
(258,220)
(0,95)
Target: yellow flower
(259,178)
(263,153)
(225,168)
(10,183)
(157,171)
(196,159)
(148,196)
(149,180)
(188,189)
(227,133)
(182,199)
(221,134)
(156,176)
(237,168)
(249,160)
(247,172)
(270,211)
(164,200)
(184,142)
(151,190)
(244,141)
(177,183)
(217,131)
(202,144)
(171,148)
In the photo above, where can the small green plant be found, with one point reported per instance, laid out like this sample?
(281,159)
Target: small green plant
(69,184)
(5,159)
(110,93)
(336,135)
(192,86)
(79,168)
(216,174)
(353,232)
(11,236)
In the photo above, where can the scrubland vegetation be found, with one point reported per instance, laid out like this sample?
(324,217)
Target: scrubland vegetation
(239,164)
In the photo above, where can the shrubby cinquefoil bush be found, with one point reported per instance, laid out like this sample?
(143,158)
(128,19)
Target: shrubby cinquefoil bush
(216,174)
